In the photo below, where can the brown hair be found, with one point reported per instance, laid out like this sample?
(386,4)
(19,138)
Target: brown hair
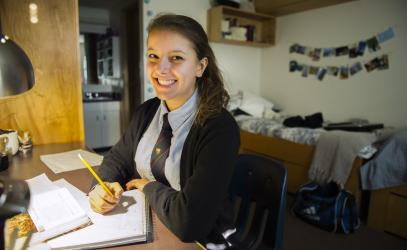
(213,95)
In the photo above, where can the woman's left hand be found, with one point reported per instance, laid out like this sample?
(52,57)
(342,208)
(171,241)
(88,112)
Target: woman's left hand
(137,183)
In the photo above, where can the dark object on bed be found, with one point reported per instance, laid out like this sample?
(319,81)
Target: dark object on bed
(238,111)
(231,3)
(294,121)
(310,121)
(314,120)
(349,126)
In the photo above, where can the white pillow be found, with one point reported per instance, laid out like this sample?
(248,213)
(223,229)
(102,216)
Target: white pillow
(235,101)
(254,104)
(271,114)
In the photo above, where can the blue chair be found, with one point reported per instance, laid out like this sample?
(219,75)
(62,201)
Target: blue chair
(258,189)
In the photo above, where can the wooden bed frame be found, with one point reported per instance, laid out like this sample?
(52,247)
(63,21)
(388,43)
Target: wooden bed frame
(296,157)
(387,210)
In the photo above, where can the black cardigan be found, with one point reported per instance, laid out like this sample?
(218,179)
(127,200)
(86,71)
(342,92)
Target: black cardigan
(208,158)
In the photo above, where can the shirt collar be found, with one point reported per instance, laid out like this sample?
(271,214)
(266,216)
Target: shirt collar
(177,117)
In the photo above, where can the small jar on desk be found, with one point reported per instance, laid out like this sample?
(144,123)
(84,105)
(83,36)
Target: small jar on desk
(3,154)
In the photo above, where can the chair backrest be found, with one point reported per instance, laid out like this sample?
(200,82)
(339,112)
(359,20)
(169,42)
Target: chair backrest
(258,189)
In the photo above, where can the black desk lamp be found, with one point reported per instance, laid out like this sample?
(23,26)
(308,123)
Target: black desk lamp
(16,76)
(16,71)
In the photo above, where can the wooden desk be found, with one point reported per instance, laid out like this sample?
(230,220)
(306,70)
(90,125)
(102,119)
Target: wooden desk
(23,167)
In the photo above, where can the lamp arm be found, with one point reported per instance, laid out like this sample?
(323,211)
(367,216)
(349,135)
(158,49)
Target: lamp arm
(1,30)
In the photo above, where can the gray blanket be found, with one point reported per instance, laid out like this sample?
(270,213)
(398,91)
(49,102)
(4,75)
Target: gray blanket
(389,167)
(334,155)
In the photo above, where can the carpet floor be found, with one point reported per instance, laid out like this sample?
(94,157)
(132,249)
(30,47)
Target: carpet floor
(299,235)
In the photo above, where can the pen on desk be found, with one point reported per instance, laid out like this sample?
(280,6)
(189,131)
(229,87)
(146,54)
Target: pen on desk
(95,175)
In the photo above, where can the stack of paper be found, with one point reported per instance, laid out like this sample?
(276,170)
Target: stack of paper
(68,161)
(53,210)
(55,202)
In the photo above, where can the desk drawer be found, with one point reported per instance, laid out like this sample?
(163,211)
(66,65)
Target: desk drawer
(396,221)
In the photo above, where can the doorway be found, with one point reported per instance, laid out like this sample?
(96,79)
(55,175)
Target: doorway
(104,23)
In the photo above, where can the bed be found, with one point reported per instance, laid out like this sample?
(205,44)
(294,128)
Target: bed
(262,132)
(296,158)
(386,177)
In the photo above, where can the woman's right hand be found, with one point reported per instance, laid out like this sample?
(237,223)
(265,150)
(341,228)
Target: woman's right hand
(101,202)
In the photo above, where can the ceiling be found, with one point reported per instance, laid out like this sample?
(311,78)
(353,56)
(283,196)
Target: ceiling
(271,7)
(284,7)
(104,4)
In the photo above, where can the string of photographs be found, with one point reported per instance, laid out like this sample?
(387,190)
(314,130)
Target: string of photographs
(344,71)
(354,50)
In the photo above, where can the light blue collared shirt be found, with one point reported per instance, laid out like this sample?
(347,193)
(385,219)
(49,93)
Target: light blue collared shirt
(181,121)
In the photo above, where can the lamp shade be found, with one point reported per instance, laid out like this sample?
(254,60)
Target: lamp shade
(16,71)
(14,197)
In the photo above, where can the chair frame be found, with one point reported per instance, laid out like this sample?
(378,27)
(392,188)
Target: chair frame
(258,189)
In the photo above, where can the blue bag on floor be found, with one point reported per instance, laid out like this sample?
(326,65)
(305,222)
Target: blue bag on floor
(328,207)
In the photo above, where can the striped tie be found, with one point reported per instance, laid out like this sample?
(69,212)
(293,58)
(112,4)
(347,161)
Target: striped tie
(161,151)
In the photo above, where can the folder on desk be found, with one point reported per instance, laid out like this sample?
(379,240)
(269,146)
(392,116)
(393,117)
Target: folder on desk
(129,222)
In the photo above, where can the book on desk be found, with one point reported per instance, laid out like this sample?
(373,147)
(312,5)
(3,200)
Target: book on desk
(129,222)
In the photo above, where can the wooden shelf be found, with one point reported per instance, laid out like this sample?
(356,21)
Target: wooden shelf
(284,7)
(244,43)
(265,26)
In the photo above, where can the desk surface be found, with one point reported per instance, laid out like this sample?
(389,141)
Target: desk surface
(23,167)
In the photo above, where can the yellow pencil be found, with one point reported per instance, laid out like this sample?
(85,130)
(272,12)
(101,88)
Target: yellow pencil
(200,245)
(95,175)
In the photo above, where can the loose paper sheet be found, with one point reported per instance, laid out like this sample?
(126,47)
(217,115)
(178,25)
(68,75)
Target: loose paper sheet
(68,161)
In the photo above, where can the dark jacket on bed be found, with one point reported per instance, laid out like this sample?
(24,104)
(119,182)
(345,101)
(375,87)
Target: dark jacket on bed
(207,161)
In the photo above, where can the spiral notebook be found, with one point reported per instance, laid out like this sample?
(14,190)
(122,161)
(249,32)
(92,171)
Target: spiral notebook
(130,222)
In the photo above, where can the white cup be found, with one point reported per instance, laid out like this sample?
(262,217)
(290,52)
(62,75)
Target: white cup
(12,140)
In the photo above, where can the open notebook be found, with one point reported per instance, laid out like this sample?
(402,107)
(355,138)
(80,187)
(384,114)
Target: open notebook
(129,222)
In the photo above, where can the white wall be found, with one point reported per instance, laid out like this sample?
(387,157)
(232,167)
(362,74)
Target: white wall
(379,96)
(240,65)
(93,20)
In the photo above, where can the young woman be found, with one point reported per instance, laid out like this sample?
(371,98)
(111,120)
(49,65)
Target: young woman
(188,190)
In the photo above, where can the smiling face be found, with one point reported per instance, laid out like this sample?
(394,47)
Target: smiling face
(172,67)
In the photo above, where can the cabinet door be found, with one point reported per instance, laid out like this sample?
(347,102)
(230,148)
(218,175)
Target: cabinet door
(93,126)
(111,124)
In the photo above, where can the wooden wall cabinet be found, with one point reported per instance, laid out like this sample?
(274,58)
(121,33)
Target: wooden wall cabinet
(264,26)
